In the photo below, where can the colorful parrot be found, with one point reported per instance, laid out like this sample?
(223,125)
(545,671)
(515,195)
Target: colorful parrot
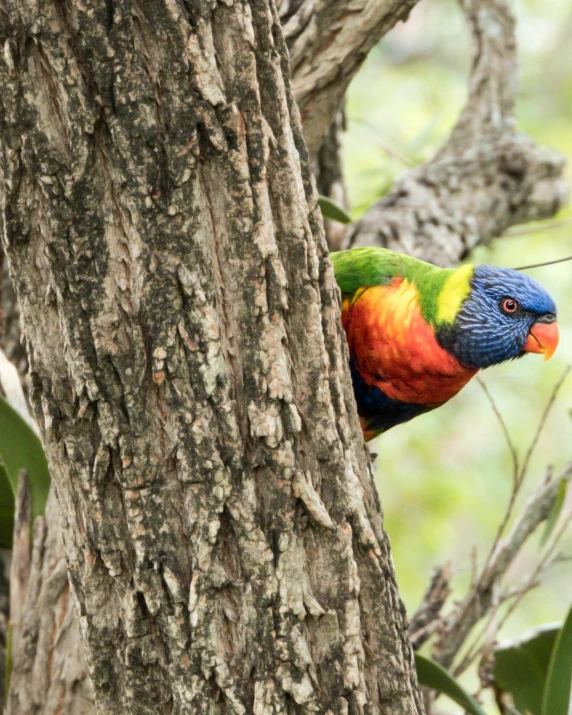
(417,333)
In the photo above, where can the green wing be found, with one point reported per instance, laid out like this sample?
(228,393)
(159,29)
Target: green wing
(369,266)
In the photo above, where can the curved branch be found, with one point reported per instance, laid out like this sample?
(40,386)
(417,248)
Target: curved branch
(486,177)
(328,40)
(493,80)
(460,622)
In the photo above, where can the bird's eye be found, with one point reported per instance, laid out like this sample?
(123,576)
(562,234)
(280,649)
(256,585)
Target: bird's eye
(509,305)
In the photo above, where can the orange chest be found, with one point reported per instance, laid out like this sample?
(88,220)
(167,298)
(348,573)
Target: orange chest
(394,349)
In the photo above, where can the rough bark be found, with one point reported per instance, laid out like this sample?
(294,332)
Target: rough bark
(10,322)
(48,667)
(329,174)
(328,40)
(486,177)
(189,373)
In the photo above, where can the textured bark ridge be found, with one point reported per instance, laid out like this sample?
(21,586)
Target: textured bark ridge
(48,667)
(328,170)
(10,322)
(189,375)
(486,177)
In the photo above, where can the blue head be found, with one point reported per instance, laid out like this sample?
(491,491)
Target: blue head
(505,315)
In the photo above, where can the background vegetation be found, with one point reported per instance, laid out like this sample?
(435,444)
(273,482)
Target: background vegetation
(447,474)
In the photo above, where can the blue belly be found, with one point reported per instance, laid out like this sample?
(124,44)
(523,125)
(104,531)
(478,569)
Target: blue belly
(378,410)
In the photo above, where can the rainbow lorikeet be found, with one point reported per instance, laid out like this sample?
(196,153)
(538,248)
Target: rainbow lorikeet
(417,333)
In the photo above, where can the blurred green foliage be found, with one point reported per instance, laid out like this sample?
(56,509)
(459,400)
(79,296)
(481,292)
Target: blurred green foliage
(444,478)
(536,669)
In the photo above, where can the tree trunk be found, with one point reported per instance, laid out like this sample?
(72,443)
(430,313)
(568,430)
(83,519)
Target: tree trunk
(48,668)
(328,171)
(10,322)
(189,374)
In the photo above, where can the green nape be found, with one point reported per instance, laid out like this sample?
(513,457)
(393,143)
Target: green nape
(441,290)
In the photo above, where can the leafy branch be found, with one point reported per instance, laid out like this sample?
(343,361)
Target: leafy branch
(489,590)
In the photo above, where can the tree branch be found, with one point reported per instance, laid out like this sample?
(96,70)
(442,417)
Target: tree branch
(328,40)
(426,618)
(486,177)
(328,171)
(49,674)
(458,625)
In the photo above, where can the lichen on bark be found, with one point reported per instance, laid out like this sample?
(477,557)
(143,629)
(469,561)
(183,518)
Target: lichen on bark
(189,375)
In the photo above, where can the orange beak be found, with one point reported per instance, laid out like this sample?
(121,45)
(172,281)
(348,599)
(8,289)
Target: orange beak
(542,338)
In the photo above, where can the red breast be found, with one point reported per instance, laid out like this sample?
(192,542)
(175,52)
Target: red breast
(396,350)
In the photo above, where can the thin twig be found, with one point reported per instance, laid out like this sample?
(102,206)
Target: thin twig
(519,590)
(545,263)
(517,593)
(502,554)
(477,644)
(516,483)
(518,231)
(464,569)
(519,474)
(545,562)
(563,558)
(542,422)
(428,616)
(510,443)
(536,510)
(460,623)
(372,130)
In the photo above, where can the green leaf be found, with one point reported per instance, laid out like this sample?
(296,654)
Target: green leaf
(7,507)
(332,210)
(20,448)
(432,675)
(555,513)
(521,667)
(556,697)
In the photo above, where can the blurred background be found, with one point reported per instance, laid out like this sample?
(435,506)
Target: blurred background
(445,478)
